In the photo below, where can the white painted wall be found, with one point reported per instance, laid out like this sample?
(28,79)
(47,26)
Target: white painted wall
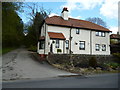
(101,40)
(47,40)
(64,30)
(65,15)
(83,36)
(61,43)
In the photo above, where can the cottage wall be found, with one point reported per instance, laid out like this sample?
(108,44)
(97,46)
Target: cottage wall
(84,35)
(101,40)
(88,36)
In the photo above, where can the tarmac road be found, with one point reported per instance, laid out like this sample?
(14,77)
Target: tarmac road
(93,81)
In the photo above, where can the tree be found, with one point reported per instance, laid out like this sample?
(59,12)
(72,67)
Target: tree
(98,21)
(36,17)
(12,25)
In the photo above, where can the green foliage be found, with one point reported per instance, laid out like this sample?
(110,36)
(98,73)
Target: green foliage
(32,48)
(93,62)
(112,65)
(12,26)
(113,41)
(8,49)
(118,57)
(117,54)
(59,50)
(34,31)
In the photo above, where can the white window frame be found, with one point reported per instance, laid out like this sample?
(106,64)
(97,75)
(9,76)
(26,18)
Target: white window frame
(97,47)
(101,34)
(103,47)
(57,43)
(81,45)
(67,44)
(42,44)
(97,33)
(77,31)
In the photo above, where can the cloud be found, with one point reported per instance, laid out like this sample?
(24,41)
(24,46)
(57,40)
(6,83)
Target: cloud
(109,9)
(114,29)
(78,17)
(53,14)
(82,4)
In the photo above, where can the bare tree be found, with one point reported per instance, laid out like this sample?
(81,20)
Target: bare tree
(35,8)
(36,14)
(98,21)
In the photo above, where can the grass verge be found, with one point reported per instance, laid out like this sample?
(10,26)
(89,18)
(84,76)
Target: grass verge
(84,71)
(6,50)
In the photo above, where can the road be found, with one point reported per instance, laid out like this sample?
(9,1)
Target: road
(93,81)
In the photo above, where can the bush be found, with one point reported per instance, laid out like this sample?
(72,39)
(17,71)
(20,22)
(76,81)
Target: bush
(117,55)
(59,50)
(113,65)
(32,48)
(93,62)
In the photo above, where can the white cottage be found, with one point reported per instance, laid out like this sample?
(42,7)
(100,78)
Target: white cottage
(64,35)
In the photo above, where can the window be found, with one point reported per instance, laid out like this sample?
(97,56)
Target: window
(77,31)
(67,44)
(57,43)
(97,33)
(42,45)
(82,45)
(97,47)
(102,34)
(103,47)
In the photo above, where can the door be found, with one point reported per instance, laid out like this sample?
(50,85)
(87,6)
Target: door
(51,48)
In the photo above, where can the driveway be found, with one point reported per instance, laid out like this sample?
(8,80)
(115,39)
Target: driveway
(19,64)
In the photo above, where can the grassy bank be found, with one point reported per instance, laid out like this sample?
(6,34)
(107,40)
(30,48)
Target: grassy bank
(6,50)
(84,71)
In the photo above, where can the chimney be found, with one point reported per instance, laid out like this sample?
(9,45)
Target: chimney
(64,13)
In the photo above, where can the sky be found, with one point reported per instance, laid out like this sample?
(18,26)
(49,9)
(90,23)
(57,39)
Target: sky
(107,10)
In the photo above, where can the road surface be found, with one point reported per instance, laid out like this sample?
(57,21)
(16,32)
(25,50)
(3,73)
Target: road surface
(93,81)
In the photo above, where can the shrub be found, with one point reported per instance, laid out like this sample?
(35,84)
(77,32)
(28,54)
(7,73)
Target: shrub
(93,62)
(59,50)
(117,55)
(32,48)
(113,65)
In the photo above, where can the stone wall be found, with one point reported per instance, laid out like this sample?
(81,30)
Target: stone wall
(79,60)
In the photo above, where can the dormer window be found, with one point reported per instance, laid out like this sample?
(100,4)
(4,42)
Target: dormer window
(77,31)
